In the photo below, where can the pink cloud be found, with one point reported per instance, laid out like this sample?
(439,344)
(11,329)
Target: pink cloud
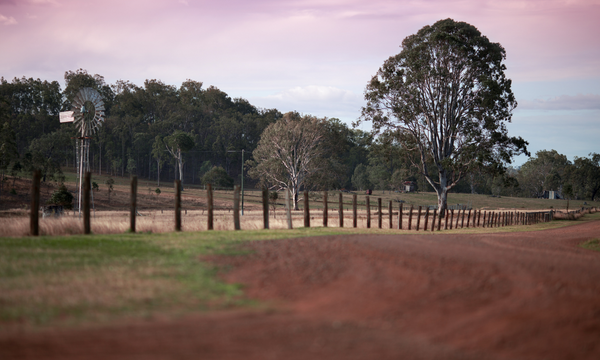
(300,42)
(7,20)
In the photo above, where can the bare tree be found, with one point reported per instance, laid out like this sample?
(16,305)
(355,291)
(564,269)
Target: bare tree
(289,153)
(176,144)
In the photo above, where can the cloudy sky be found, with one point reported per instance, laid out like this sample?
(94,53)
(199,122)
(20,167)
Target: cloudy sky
(314,56)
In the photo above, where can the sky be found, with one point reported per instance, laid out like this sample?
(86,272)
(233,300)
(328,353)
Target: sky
(315,56)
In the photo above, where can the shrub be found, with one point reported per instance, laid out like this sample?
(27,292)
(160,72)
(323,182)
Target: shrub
(218,177)
(63,197)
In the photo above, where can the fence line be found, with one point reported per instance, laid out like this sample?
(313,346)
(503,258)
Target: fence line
(489,219)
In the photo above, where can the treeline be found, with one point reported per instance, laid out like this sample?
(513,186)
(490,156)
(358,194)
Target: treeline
(149,130)
(163,132)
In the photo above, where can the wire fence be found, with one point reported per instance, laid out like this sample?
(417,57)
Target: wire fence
(313,209)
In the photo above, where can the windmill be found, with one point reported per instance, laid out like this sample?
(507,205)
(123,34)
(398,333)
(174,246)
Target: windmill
(87,114)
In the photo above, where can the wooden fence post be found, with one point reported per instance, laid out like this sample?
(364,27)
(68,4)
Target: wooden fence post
(132,205)
(446,216)
(341,209)
(288,209)
(439,221)
(410,217)
(265,204)
(380,214)
(354,211)
(368,212)
(325,209)
(400,217)
(433,220)
(306,210)
(462,220)
(478,217)
(178,205)
(236,207)
(211,207)
(457,219)
(451,218)
(469,218)
(87,181)
(419,218)
(34,215)
(426,219)
(390,213)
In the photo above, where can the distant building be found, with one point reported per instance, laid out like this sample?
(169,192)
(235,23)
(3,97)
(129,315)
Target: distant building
(551,194)
(409,186)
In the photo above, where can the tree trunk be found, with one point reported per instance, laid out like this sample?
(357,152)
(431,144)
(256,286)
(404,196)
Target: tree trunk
(158,173)
(180,160)
(295,194)
(442,193)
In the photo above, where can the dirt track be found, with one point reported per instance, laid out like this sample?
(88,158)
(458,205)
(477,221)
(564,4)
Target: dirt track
(529,295)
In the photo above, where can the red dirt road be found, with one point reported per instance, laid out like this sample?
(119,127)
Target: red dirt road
(533,295)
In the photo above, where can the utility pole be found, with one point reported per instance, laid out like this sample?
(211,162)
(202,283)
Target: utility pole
(242,182)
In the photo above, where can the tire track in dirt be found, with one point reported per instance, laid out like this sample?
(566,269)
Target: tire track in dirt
(530,295)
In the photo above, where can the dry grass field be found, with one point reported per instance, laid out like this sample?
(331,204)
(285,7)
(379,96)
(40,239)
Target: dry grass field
(111,215)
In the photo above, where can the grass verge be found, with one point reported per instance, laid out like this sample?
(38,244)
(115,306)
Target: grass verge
(593,244)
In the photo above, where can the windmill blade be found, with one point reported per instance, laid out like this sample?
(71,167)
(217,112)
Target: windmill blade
(97,98)
(86,93)
(77,101)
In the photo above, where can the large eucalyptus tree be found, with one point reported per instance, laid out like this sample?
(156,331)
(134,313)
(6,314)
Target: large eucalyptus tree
(448,97)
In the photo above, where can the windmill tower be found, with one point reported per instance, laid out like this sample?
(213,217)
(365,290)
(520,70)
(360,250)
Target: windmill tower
(88,115)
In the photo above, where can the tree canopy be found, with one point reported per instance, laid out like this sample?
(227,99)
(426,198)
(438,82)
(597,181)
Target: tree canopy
(449,100)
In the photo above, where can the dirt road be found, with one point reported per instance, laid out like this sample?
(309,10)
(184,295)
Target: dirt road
(533,295)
